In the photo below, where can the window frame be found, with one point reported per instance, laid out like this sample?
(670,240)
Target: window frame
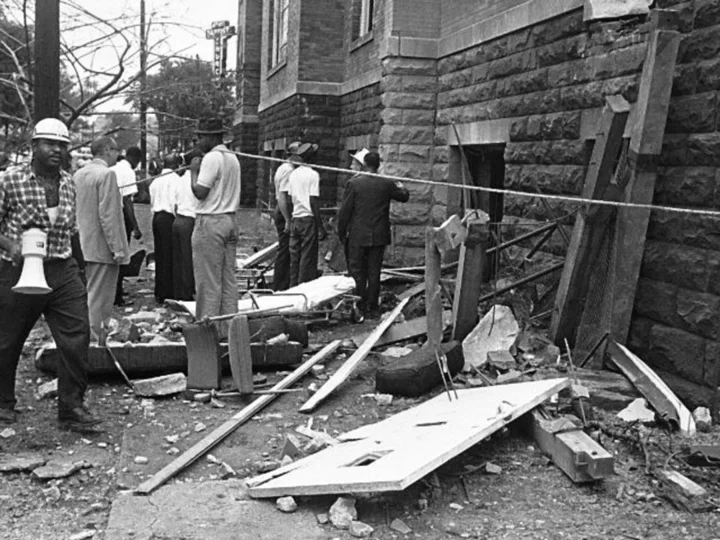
(279,20)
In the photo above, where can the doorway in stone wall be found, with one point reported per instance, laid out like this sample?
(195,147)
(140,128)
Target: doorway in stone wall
(487,169)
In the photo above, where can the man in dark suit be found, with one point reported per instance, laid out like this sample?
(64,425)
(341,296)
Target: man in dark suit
(364,227)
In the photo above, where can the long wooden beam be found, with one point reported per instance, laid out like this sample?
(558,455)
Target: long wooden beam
(204,445)
(358,356)
(588,232)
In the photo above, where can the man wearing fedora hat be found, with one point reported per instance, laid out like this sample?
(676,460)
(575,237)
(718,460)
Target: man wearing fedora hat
(283,211)
(364,227)
(214,239)
(306,229)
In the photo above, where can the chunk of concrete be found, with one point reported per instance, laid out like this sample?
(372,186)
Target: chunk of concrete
(637,411)
(343,512)
(400,526)
(55,469)
(47,390)
(21,462)
(164,385)
(358,529)
(286,504)
(703,420)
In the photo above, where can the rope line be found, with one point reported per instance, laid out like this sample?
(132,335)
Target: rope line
(482,189)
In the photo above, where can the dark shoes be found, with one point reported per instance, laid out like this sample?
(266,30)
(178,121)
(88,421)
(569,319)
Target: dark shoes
(7,416)
(79,419)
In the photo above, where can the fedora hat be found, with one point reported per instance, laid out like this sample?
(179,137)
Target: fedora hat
(210,126)
(293,147)
(307,149)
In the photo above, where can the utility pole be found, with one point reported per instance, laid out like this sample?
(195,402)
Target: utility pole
(47,59)
(143,87)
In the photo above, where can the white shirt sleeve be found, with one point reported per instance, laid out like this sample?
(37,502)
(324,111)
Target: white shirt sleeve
(315,185)
(210,169)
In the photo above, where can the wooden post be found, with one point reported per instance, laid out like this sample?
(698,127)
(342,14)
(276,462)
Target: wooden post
(588,232)
(47,59)
(433,292)
(240,354)
(473,262)
(203,358)
(645,146)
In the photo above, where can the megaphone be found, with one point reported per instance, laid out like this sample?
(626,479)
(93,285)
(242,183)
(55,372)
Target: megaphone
(34,249)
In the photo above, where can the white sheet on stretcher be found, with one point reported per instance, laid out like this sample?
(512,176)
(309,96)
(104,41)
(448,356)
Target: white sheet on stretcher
(308,296)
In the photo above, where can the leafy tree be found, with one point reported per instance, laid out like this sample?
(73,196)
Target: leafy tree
(181,92)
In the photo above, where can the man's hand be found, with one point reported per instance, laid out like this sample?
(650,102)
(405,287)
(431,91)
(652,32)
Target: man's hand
(287,227)
(16,254)
(322,234)
(195,164)
(118,257)
(137,234)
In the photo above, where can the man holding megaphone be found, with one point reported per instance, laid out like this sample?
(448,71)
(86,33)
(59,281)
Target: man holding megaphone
(39,276)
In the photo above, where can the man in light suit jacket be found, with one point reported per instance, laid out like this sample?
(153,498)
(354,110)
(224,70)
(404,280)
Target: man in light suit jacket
(364,227)
(102,230)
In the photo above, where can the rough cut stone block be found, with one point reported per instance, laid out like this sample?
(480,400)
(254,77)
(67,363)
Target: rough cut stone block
(391,116)
(712,362)
(407,170)
(714,273)
(666,227)
(692,114)
(702,232)
(403,100)
(405,66)
(406,134)
(549,178)
(414,152)
(409,235)
(683,266)
(677,351)
(706,77)
(639,335)
(685,186)
(703,44)
(707,13)
(611,9)
(704,149)
(675,151)
(419,83)
(700,313)
(573,48)
(657,300)
(558,28)
(410,213)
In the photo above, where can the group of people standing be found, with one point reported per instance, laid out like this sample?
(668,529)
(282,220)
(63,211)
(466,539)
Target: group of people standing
(363,222)
(89,205)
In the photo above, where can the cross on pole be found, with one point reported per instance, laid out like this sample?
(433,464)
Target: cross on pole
(220,32)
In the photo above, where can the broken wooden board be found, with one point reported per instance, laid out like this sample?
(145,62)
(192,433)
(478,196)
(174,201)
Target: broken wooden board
(392,454)
(141,359)
(686,486)
(473,263)
(203,357)
(412,291)
(207,443)
(165,385)
(296,300)
(240,355)
(450,234)
(351,363)
(572,450)
(652,387)
(256,259)
(414,328)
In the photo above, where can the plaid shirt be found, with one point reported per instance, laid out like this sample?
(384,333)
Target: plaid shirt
(23,206)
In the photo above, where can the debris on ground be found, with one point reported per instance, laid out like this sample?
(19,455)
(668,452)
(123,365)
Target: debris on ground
(497,331)
(286,504)
(343,512)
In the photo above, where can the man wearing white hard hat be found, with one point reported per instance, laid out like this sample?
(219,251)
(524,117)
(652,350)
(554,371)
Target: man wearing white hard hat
(41,197)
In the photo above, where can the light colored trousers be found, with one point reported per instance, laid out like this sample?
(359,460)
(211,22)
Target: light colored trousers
(101,282)
(214,245)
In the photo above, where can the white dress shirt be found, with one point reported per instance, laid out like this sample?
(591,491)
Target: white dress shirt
(163,192)
(125,178)
(186,201)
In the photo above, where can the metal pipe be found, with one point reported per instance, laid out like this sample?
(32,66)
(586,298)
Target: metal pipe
(523,281)
(522,237)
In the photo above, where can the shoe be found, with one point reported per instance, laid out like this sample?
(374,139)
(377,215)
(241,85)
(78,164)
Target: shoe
(7,416)
(79,419)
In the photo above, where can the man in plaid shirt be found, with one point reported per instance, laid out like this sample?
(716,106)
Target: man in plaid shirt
(41,195)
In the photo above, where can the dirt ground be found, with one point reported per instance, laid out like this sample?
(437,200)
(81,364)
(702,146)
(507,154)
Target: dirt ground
(530,498)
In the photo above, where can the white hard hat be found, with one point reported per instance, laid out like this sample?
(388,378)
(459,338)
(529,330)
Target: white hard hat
(52,129)
(360,155)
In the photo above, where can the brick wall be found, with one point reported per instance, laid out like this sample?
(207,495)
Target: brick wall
(321,40)
(419,18)
(362,55)
(456,14)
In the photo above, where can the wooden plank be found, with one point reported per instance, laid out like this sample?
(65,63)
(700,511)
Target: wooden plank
(588,233)
(573,451)
(414,328)
(240,355)
(412,291)
(260,257)
(473,261)
(347,368)
(217,435)
(645,145)
(652,387)
(204,370)
(450,234)
(683,483)
(433,291)
(396,452)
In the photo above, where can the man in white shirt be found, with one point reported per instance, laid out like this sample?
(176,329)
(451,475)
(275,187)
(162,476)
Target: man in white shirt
(182,229)
(306,229)
(214,239)
(163,199)
(125,173)
(283,211)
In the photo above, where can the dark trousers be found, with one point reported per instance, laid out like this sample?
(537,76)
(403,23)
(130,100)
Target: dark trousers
(281,272)
(66,313)
(303,250)
(183,274)
(128,233)
(365,264)
(162,225)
